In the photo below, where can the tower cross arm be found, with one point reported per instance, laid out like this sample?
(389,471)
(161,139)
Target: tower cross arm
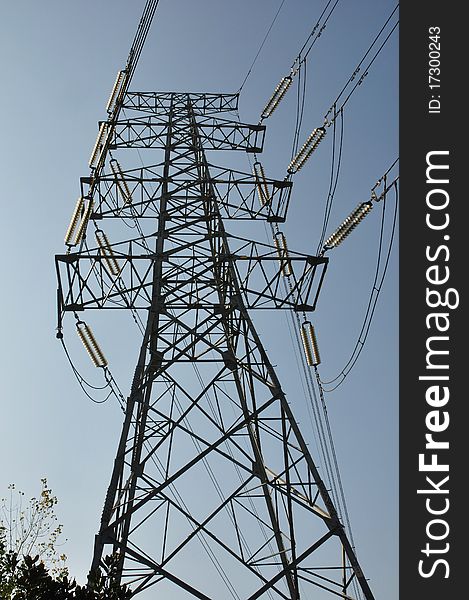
(161,102)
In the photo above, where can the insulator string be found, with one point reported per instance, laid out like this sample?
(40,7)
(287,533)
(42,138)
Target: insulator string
(91,345)
(76,215)
(348,225)
(310,145)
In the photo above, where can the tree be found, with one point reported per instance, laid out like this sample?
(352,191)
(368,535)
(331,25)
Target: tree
(29,579)
(31,528)
(31,567)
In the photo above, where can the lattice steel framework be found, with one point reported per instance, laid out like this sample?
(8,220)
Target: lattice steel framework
(214,492)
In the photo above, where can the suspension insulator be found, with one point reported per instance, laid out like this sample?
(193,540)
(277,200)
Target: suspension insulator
(107,252)
(276,97)
(83,223)
(91,345)
(348,225)
(282,251)
(99,145)
(121,182)
(74,221)
(312,142)
(261,184)
(77,227)
(310,344)
(116,90)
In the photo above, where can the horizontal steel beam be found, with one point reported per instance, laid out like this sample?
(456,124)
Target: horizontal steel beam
(216,134)
(163,102)
(87,283)
(239,195)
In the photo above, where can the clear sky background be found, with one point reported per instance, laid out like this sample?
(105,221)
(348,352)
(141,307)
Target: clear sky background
(59,61)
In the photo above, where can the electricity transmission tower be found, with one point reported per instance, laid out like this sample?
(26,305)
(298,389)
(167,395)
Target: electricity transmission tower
(211,466)
(214,492)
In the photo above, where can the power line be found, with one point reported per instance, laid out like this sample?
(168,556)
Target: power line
(322,425)
(299,61)
(318,134)
(82,381)
(301,58)
(261,46)
(300,105)
(139,39)
(375,291)
(334,178)
(359,66)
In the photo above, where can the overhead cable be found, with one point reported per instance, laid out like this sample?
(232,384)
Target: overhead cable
(358,68)
(311,142)
(261,46)
(380,274)
(336,164)
(121,85)
(285,82)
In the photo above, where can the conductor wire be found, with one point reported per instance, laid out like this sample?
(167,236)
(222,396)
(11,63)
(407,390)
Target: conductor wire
(334,179)
(261,46)
(82,381)
(358,68)
(376,289)
(301,58)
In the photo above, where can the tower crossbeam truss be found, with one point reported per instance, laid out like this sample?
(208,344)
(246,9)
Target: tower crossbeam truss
(214,492)
(215,134)
(236,193)
(188,280)
(161,102)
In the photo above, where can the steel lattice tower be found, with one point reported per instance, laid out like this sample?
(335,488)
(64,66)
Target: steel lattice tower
(214,492)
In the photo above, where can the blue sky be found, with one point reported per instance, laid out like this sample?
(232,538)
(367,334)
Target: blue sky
(60,61)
